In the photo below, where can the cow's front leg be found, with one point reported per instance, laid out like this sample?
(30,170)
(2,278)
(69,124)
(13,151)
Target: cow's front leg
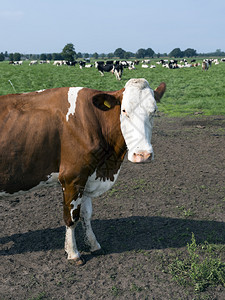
(71,215)
(71,246)
(85,215)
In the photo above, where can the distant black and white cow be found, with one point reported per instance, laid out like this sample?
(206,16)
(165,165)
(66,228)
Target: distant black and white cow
(205,65)
(33,62)
(104,68)
(82,64)
(173,64)
(116,69)
(100,62)
(71,63)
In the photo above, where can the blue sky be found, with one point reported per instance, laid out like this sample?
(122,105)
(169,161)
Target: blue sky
(102,26)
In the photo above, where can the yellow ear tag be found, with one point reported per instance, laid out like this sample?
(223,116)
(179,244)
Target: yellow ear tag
(106,103)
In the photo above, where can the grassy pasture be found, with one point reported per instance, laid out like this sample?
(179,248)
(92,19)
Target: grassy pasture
(189,90)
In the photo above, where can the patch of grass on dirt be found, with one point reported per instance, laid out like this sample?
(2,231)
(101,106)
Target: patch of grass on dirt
(201,269)
(185,212)
(115,291)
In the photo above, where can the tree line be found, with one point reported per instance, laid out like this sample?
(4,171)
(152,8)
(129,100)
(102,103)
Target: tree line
(69,53)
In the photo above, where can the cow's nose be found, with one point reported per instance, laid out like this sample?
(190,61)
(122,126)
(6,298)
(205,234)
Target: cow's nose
(141,156)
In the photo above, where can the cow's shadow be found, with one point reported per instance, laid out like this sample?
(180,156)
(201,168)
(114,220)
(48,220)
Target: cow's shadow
(121,235)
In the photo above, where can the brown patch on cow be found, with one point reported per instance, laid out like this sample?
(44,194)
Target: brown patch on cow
(66,216)
(30,139)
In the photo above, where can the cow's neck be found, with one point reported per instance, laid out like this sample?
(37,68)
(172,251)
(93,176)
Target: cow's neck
(113,149)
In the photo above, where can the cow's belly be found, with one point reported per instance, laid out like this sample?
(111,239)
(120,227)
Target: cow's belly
(95,187)
(51,180)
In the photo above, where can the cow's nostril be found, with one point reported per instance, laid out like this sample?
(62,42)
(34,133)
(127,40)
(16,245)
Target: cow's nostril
(141,156)
(138,154)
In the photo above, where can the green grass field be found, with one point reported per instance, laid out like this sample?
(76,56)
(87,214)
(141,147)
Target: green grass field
(189,90)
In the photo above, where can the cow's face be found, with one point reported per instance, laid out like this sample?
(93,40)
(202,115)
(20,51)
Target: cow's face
(138,105)
(137,112)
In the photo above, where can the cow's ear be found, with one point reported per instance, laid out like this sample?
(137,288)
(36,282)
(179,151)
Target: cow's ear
(105,101)
(158,93)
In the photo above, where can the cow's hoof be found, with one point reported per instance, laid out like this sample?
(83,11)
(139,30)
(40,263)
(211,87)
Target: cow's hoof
(98,252)
(80,261)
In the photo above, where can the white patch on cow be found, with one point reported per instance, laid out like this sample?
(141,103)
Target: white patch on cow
(74,204)
(52,180)
(85,214)
(70,243)
(137,111)
(72,99)
(96,187)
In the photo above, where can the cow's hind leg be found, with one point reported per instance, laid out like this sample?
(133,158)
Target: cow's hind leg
(85,215)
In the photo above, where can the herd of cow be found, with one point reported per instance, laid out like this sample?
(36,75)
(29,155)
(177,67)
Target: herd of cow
(116,67)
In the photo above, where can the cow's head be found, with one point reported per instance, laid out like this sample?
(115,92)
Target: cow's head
(137,111)
(138,106)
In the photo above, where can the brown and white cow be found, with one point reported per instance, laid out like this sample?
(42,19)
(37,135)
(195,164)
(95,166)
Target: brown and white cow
(79,137)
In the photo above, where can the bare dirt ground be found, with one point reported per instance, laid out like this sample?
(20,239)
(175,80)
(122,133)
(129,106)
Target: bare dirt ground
(142,224)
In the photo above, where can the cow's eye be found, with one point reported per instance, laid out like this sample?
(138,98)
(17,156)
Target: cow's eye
(125,113)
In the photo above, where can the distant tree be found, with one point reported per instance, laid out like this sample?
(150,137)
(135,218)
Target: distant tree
(102,55)
(11,56)
(68,52)
(6,54)
(176,53)
(141,53)
(43,56)
(2,56)
(79,55)
(110,55)
(95,55)
(57,56)
(219,52)
(128,54)
(190,52)
(49,56)
(16,56)
(119,52)
(33,56)
(149,52)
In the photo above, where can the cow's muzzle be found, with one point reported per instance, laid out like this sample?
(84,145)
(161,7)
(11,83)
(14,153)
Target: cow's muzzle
(141,157)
